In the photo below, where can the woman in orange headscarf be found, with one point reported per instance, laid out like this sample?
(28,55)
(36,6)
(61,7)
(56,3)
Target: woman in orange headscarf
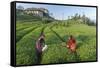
(71,44)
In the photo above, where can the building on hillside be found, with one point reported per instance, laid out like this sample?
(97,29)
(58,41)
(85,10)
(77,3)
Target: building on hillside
(37,11)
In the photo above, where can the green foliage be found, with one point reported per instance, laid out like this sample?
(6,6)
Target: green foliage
(46,20)
(26,17)
(55,32)
(28,29)
(25,48)
(77,19)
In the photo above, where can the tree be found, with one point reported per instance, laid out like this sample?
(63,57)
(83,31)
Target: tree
(84,18)
(77,18)
(20,7)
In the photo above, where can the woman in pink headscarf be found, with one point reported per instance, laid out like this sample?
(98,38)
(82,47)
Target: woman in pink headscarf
(39,46)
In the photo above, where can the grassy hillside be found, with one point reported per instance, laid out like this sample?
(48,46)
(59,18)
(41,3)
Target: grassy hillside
(26,17)
(56,36)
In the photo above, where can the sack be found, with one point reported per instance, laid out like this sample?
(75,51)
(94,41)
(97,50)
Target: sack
(44,48)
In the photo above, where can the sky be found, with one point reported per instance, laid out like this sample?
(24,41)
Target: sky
(62,12)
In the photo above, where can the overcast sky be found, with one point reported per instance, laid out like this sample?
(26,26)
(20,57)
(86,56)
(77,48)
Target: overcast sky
(62,12)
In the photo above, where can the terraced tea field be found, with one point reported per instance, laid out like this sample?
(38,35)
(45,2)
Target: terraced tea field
(55,37)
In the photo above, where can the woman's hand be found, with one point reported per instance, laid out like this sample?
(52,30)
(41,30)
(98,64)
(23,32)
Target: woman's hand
(67,46)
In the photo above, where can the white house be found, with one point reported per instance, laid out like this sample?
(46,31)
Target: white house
(37,11)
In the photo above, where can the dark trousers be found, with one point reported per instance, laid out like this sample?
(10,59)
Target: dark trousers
(39,56)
